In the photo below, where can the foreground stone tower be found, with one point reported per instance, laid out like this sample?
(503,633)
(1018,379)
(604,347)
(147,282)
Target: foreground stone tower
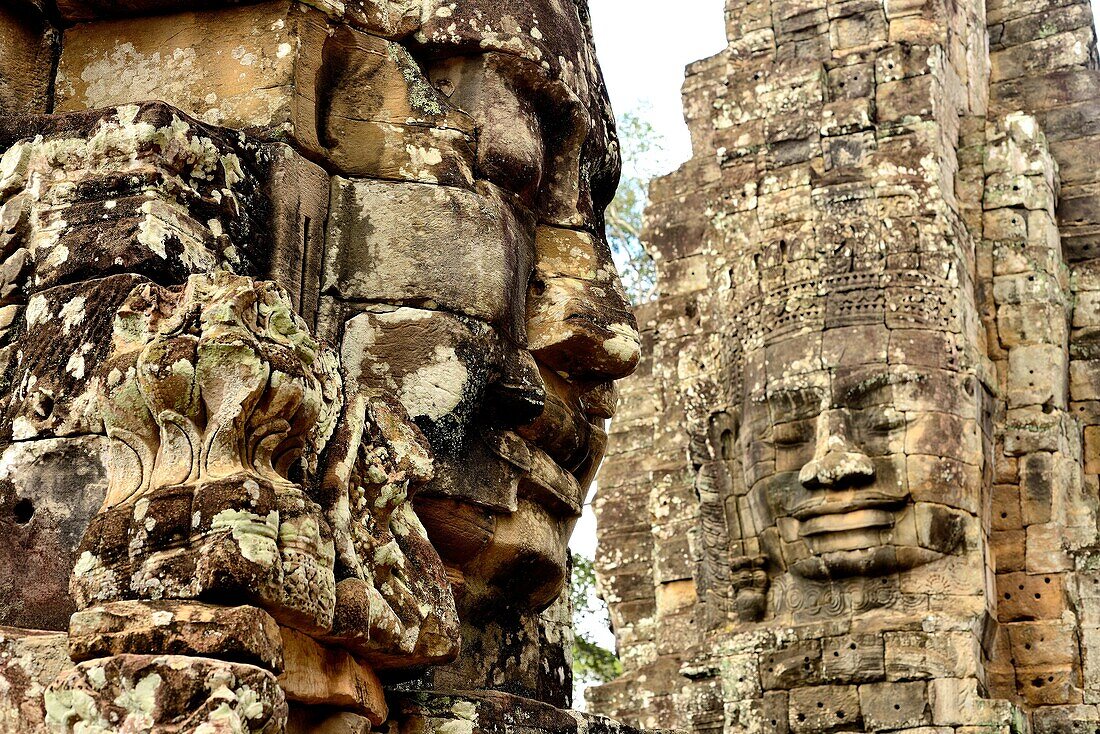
(308,334)
(854,485)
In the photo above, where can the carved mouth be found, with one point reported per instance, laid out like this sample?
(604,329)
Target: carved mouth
(847,503)
(565,448)
(863,519)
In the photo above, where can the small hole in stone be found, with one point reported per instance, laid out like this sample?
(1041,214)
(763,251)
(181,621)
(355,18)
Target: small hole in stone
(1046,580)
(836,653)
(24,511)
(820,705)
(897,707)
(802,717)
(1038,596)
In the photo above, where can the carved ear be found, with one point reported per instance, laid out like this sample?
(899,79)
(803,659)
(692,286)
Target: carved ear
(731,579)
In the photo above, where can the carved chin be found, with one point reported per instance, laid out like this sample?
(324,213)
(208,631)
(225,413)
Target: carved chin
(878,561)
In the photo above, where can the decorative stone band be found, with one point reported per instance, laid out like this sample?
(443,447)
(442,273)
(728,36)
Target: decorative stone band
(901,298)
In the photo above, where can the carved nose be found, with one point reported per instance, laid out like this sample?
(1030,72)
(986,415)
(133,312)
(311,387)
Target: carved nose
(837,462)
(578,320)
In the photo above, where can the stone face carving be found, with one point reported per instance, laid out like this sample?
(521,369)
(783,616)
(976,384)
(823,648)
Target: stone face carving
(328,334)
(851,488)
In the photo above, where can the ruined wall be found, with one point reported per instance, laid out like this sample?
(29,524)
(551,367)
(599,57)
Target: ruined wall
(308,333)
(850,486)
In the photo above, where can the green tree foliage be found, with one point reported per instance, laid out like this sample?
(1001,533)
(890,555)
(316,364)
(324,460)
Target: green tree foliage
(592,663)
(642,152)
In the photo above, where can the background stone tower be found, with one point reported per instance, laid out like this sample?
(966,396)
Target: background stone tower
(308,334)
(853,484)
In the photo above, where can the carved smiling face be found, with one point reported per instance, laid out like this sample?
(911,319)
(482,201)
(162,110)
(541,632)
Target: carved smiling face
(861,451)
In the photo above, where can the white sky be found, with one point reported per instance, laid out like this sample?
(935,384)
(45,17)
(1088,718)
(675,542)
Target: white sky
(643,47)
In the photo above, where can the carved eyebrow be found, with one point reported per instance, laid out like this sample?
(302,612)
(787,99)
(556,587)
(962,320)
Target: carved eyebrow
(796,401)
(850,391)
(792,391)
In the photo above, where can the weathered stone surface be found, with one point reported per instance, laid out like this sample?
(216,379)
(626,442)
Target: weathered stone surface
(292,303)
(167,693)
(405,243)
(339,93)
(51,488)
(28,47)
(317,675)
(236,634)
(31,660)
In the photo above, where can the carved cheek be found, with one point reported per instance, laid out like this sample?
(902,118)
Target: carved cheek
(781,492)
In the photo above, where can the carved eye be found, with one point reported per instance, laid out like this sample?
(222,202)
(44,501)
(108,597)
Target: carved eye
(791,434)
(885,421)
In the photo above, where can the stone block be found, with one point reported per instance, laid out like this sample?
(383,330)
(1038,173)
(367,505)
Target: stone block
(1042,644)
(1037,375)
(49,491)
(1084,379)
(30,660)
(1037,486)
(958,702)
(578,320)
(1056,51)
(824,709)
(319,674)
(798,664)
(917,655)
(1045,549)
(853,659)
(28,47)
(1048,685)
(1073,719)
(1022,597)
(168,692)
(942,480)
(322,720)
(298,190)
(1008,550)
(240,634)
(1006,511)
(402,243)
(888,706)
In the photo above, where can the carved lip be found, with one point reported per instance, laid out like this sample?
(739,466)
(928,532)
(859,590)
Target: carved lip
(846,503)
(844,522)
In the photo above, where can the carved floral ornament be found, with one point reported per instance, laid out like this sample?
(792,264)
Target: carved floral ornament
(237,466)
